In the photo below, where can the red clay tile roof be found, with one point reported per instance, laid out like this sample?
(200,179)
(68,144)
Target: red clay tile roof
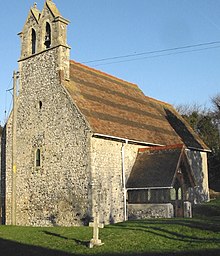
(181,126)
(117,108)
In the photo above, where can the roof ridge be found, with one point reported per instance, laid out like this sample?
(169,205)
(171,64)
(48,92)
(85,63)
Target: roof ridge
(104,73)
(175,146)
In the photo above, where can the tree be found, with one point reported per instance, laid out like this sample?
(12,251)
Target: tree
(216,110)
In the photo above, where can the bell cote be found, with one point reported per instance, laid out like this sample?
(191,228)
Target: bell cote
(43,30)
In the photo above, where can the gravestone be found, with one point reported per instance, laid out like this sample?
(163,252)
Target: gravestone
(95,241)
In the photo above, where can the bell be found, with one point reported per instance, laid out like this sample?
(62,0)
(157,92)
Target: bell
(47,41)
(47,38)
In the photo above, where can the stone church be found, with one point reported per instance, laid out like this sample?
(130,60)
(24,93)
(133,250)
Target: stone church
(80,142)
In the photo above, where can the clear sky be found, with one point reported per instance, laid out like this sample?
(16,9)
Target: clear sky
(109,28)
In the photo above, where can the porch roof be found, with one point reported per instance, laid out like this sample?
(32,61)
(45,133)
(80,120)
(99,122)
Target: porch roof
(157,167)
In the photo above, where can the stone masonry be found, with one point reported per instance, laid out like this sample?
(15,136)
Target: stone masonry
(56,192)
(107,176)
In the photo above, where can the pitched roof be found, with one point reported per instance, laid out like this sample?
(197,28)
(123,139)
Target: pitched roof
(52,8)
(189,137)
(36,13)
(156,167)
(118,108)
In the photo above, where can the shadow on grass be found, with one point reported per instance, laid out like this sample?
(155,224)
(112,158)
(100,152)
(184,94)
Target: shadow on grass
(210,209)
(77,241)
(206,224)
(206,210)
(11,248)
(151,226)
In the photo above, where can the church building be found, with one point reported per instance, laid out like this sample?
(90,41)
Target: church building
(80,142)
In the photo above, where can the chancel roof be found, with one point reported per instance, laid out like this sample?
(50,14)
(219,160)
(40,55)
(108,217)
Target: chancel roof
(118,108)
(157,167)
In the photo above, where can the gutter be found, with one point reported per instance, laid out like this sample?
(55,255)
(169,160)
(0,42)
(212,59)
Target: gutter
(127,141)
(146,188)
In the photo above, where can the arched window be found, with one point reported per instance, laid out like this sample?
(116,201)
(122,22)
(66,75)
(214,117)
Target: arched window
(47,42)
(33,41)
(38,158)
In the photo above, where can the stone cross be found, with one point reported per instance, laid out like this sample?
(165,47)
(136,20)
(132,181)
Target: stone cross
(96,225)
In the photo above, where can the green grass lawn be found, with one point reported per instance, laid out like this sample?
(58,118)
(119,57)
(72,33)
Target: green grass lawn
(191,237)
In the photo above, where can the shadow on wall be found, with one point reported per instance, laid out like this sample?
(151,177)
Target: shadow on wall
(3,178)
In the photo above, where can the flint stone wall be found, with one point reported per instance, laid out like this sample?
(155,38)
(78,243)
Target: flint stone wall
(199,165)
(57,192)
(107,177)
(147,211)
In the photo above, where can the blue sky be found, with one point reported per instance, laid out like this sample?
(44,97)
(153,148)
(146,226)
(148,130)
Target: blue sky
(108,28)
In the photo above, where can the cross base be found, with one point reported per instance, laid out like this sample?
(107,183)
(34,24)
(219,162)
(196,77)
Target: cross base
(95,242)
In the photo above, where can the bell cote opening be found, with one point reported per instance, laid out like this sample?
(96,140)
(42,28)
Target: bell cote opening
(47,42)
(46,30)
(33,41)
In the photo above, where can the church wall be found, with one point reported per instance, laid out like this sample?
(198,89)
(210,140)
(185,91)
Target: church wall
(198,161)
(6,174)
(56,192)
(107,178)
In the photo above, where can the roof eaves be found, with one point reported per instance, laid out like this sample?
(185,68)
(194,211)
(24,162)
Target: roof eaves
(125,140)
(157,148)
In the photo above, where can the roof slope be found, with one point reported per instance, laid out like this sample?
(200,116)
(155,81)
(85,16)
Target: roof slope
(118,108)
(155,168)
(189,137)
